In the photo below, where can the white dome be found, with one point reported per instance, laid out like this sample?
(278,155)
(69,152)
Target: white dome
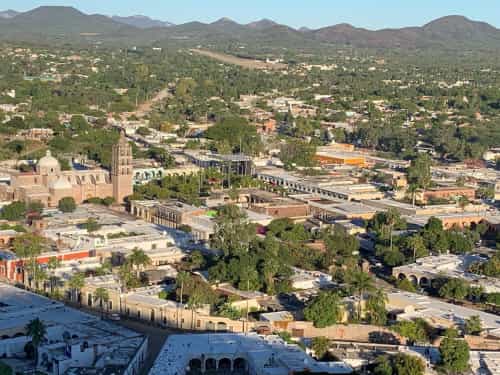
(48,162)
(61,184)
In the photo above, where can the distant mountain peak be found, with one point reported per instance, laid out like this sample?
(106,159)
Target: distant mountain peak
(141,21)
(9,13)
(262,24)
(224,20)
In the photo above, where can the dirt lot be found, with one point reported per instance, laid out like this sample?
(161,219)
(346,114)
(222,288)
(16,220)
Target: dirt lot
(244,63)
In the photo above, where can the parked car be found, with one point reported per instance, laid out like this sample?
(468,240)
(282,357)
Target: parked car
(114,317)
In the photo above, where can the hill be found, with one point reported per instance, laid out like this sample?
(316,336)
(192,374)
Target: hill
(141,22)
(67,25)
(449,32)
(8,13)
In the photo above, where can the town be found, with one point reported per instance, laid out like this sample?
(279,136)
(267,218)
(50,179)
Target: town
(165,209)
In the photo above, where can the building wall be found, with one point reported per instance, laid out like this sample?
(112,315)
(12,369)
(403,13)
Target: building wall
(351,332)
(282,211)
(354,161)
(450,193)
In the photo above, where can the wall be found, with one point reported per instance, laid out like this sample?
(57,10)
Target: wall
(351,332)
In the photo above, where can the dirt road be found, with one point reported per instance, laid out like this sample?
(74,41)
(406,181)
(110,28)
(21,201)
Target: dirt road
(244,63)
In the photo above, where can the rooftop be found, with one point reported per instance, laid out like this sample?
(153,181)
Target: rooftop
(267,355)
(438,312)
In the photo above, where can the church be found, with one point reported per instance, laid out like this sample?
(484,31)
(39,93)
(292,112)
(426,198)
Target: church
(48,184)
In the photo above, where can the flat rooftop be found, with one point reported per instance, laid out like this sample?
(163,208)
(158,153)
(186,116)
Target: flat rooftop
(435,310)
(267,355)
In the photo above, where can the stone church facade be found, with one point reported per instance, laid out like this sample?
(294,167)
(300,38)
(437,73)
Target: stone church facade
(48,184)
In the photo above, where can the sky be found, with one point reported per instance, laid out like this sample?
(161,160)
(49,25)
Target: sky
(371,14)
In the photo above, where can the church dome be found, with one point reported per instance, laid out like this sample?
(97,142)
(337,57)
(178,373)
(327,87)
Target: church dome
(61,184)
(48,162)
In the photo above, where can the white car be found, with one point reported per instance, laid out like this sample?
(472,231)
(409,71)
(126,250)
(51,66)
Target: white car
(114,317)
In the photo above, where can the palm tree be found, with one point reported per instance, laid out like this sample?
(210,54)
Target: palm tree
(182,278)
(52,265)
(375,307)
(139,259)
(29,246)
(361,283)
(413,188)
(36,330)
(76,283)
(194,302)
(102,296)
(390,221)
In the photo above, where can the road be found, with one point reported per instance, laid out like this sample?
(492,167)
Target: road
(157,335)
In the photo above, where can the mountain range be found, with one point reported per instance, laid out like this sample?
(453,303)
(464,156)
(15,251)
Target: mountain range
(141,22)
(66,24)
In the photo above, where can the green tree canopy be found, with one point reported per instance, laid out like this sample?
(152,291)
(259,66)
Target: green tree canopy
(324,310)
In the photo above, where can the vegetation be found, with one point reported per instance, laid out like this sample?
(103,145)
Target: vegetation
(324,310)
(454,354)
(399,364)
(67,204)
(473,326)
(37,330)
(417,331)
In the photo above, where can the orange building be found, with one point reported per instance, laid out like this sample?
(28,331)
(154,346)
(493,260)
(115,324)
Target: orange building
(340,158)
(266,127)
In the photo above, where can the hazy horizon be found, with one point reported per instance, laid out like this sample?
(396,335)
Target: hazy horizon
(295,13)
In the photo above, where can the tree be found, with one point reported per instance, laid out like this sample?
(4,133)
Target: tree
(37,331)
(456,289)
(196,261)
(384,223)
(375,308)
(405,364)
(320,345)
(91,225)
(454,355)
(406,285)
(233,233)
(182,279)
(76,283)
(194,303)
(416,246)
(419,172)
(14,211)
(138,259)
(5,369)
(414,331)
(29,246)
(101,295)
(67,204)
(297,153)
(383,366)
(127,277)
(473,325)
(360,282)
(35,208)
(324,310)
(52,265)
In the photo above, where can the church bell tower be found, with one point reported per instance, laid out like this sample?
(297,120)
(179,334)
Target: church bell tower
(121,169)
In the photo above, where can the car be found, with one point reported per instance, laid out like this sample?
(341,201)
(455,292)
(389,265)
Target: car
(114,317)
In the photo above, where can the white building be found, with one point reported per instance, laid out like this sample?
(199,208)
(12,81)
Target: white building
(425,270)
(75,342)
(254,354)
